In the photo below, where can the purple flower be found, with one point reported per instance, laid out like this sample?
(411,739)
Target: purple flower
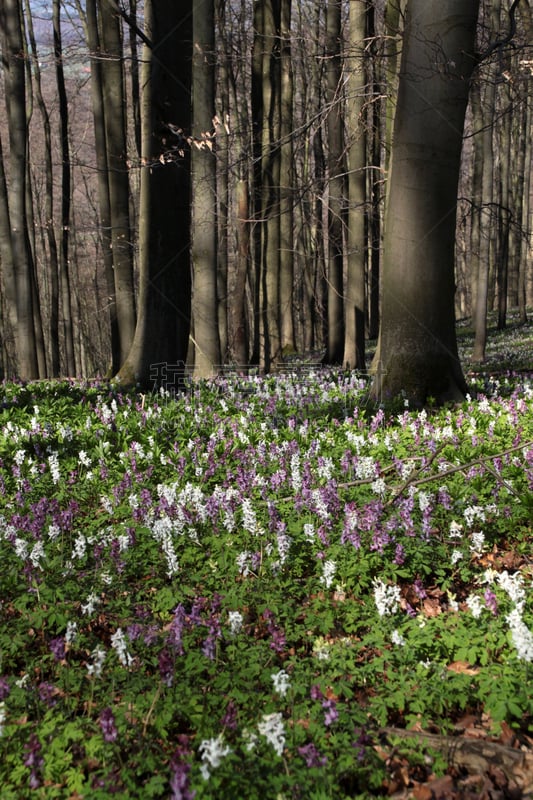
(331,713)
(166,667)
(316,692)
(311,756)
(490,601)
(107,724)
(48,694)
(4,688)
(57,648)
(229,720)
(180,768)
(34,760)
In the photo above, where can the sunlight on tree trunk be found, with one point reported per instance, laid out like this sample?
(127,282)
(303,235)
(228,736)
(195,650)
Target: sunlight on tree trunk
(418,349)
(204,188)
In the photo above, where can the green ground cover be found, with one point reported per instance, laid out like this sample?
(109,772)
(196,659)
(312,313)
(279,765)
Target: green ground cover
(237,592)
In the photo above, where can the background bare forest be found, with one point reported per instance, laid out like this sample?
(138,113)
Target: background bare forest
(280,179)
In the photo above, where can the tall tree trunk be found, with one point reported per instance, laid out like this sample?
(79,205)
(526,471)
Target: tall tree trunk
(159,348)
(286,189)
(64,269)
(204,194)
(7,274)
(376,183)
(354,338)
(15,88)
(104,202)
(418,348)
(336,170)
(53,254)
(482,168)
(116,145)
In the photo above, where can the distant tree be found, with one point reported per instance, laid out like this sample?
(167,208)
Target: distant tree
(418,348)
(357,93)
(66,192)
(336,184)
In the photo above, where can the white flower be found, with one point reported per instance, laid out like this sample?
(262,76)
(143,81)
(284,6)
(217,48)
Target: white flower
(2,717)
(98,655)
(521,635)
(296,477)
(456,530)
(84,459)
(386,598)
(36,554)
(474,604)
(19,457)
(514,586)
(213,751)
(250,739)
(72,630)
(243,561)
(273,730)
(397,638)
(89,607)
(118,643)
(235,622)
(80,546)
(379,487)
(456,556)
(329,573)
(424,501)
(21,548)
(309,531)
(477,540)
(282,682)
(249,519)
(53,463)
(474,512)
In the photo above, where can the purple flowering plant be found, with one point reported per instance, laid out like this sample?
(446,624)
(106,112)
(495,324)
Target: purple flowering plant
(234,591)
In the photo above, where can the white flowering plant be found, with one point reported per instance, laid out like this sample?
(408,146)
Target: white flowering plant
(233,591)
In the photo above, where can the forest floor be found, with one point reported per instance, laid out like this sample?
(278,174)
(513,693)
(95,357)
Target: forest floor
(263,588)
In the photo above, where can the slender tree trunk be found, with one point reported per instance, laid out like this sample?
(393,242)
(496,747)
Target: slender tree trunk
(376,183)
(104,203)
(354,339)
(64,268)
(204,197)
(53,255)
(286,189)
(8,281)
(15,88)
(119,191)
(223,175)
(237,338)
(336,170)
(418,348)
(482,166)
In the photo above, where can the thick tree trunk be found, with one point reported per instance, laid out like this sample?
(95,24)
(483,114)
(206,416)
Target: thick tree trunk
(418,348)
(204,195)
(159,348)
